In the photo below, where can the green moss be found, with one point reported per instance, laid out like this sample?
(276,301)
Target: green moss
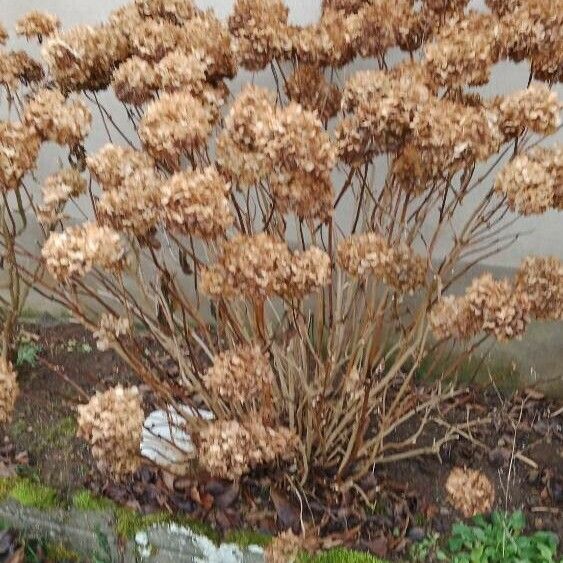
(85,500)
(31,494)
(340,555)
(244,538)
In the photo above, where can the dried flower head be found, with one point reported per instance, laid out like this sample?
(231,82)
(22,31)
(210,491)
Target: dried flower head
(470,491)
(37,24)
(76,250)
(154,38)
(464,50)
(135,81)
(196,203)
(183,71)
(57,190)
(174,125)
(206,33)
(242,377)
(9,390)
(452,317)
(541,280)
(134,205)
(260,27)
(112,424)
(531,182)
(302,158)
(55,118)
(397,265)
(229,449)
(241,146)
(536,108)
(84,57)
(259,266)
(18,66)
(177,11)
(499,309)
(110,329)
(112,165)
(309,87)
(19,147)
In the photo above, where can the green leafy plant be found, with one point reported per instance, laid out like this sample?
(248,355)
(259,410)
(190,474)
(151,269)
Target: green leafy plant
(27,353)
(425,549)
(499,538)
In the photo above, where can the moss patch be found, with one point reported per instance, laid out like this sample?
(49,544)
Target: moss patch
(340,555)
(244,538)
(34,495)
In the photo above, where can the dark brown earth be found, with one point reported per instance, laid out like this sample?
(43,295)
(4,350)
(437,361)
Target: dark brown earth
(400,502)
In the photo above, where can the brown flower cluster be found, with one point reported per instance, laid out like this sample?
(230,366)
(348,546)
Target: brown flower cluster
(55,118)
(309,87)
(112,165)
(19,148)
(110,329)
(541,279)
(57,190)
(174,125)
(532,182)
(464,50)
(112,424)
(470,491)
(196,203)
(302,158)
(18,66)
(183,71)
(135,81)
(241,146)
(83,58)
(397,265)
(536,108)
(9,390)
(382,104)
(37,24)
(229,449)
(259,266)
(76,250)
(261,30)
(241,376)
(492,306)
(177,11)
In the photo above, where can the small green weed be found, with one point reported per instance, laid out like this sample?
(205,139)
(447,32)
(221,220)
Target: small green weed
(27,353)
(424,550)
(498,539)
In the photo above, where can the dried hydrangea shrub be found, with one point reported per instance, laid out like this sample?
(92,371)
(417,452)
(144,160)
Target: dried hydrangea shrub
(196,203)
(470,491)
(58,119)
(177,11)
(76,250)
(57,189)
(541,280)
(19,148)
(37,24)
(230,449)
(3,35)
(9,390)
(17,67)
(452,317)
(111,423)
(241,376)
(260,266)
